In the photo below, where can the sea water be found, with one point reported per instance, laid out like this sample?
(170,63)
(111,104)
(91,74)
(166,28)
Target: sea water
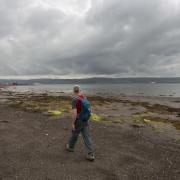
(131,89)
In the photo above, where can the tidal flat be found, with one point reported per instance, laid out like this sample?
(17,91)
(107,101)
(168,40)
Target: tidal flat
(134,137)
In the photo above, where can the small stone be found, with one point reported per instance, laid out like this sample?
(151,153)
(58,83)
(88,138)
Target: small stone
(137,125)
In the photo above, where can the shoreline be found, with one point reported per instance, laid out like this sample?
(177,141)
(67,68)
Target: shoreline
(124,89)
(134,110)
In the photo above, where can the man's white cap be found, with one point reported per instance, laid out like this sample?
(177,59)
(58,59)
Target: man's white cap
(77,88)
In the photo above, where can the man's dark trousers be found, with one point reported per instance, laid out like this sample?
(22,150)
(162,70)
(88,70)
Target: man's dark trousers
(83,128)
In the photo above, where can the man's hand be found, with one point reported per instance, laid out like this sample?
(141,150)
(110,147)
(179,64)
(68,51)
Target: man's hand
(73,126)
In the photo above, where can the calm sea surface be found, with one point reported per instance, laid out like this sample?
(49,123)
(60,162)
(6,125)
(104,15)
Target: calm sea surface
(156,89)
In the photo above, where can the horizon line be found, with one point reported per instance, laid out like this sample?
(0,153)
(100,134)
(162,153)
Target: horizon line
(80,78)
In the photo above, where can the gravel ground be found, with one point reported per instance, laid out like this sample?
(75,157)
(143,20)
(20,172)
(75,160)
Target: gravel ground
(32,148)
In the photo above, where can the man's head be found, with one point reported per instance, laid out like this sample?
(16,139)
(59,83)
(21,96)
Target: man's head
(77,89)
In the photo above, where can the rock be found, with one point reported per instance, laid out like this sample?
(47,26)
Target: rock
(137,125)
(65,128)
(4,121)
(46,113)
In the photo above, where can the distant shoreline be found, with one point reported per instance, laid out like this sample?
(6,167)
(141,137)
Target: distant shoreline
(92,80)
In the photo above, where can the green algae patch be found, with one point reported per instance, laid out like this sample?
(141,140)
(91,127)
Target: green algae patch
(163,109)
(175,123)
(106,120)
(42,103)
(147,120)
(55,112)
(98,118)
(95,117)
(156,108)
(137,118)
(137,121)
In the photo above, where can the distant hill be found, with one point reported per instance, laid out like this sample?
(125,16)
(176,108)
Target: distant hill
(93,81)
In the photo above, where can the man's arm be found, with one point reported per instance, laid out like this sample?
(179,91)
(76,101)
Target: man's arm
(74,116)
(74,112)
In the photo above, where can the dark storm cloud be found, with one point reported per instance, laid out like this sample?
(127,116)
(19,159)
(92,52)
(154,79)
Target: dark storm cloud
(90,37)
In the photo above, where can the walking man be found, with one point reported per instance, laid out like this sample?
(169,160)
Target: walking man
(81,113)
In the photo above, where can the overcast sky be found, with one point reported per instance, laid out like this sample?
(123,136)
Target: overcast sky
(84,38)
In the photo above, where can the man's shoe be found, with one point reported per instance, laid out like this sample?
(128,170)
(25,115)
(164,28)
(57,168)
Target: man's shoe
(90,157)
(68,148)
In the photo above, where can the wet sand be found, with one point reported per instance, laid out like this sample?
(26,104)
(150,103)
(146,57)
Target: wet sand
(133,137)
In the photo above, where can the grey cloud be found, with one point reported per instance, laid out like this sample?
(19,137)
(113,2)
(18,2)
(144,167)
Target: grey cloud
(113,37)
